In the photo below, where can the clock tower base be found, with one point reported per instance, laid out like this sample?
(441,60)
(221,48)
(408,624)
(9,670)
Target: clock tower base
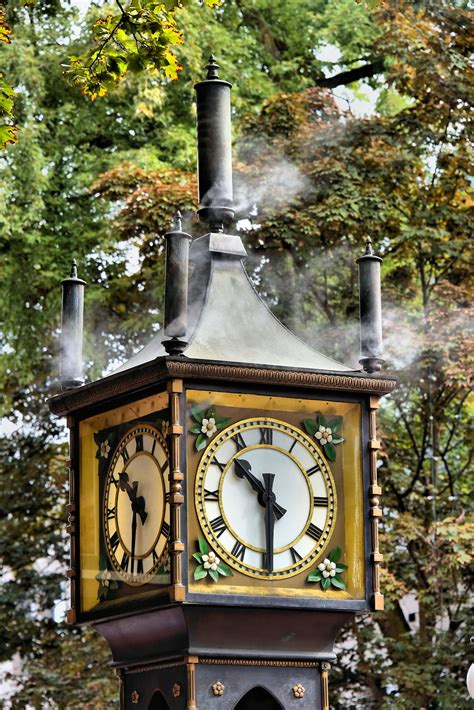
(191,657)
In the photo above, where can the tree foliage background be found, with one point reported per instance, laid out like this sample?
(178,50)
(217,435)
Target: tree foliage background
(100,180)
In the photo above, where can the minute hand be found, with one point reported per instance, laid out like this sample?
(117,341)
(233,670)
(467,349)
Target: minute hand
(243,470)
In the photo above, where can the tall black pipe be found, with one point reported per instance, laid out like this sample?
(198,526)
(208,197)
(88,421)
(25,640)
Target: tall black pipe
(370,301)
(176,287)
(214,149)
(72,324)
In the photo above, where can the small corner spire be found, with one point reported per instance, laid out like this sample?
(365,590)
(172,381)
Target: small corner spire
(73,274)
(176,223)
(212,68)
(368,246)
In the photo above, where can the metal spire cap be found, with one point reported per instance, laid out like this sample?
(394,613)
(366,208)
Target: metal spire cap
(212,68)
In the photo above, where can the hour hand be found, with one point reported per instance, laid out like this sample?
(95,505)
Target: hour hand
(243,470)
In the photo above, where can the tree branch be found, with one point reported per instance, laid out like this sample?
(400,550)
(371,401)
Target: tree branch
(348,77)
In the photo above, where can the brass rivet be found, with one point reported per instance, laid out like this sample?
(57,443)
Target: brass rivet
(176,690)
(298,690)
(135,696)
(218,688)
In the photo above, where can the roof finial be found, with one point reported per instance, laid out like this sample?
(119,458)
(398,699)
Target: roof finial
(368,246)
(212,67)
(73,274)
(176,224)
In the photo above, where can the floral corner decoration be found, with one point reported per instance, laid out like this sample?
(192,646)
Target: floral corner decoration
(329,571)
(209,563)
(325,432)
(106,581)
(207,423)
(104,446)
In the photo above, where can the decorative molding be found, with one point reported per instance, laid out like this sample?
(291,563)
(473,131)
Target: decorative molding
(375,511)
(158,666)
(150,374)
(325,667)
(176,477)
(356,383)
(257,662)
(191,673)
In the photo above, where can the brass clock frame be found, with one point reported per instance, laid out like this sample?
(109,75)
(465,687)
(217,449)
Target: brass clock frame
(139,428)
(206,460)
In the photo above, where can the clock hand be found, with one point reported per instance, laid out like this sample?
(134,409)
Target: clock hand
(269,498)
(243,470)
(138,503)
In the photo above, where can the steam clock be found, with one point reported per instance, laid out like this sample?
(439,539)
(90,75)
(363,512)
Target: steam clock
(224,500)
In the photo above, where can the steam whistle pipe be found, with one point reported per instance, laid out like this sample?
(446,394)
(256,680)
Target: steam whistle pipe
(72,325)
(214,149)
(370,301)
(176,287)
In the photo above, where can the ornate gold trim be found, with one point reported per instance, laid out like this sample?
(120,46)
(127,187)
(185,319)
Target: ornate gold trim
(325,667)
(375,512)
(158,666)
(356,383)
(129,381)
(191,673)
(176,546)
(258,662)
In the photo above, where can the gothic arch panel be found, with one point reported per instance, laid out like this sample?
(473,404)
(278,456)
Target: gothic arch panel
(158,702)
(258,699)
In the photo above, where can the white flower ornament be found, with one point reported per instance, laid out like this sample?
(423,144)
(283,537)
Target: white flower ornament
(210,561)
(209,426)
(105,449)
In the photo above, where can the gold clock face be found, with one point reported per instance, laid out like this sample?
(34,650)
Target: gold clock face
(265,498)
(135,507)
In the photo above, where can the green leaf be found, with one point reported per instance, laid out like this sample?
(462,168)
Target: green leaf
(336,424)
(197,413)
(315,576)
(335,554)
(330,451)
(326,583)
(213,574)
(198,556)
(224,569)
(113,585)
(322,421)
(310,426)
(195,429)
(211,412)
(200,443)
(200,573)
(203,546)
(340,567)
(338,582)
(337,440)
(221,422)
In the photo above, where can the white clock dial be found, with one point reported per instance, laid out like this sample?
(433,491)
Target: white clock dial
(265,498)
(136,515)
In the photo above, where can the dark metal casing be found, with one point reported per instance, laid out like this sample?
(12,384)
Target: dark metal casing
(176,290)
(214,142)
(72,324)
(370,300)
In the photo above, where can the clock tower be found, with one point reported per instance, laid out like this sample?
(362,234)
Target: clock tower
(224,501)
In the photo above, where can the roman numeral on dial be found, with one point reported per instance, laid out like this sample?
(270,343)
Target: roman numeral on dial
(218,463)
(125,456)
(211,495)
(124,562)
(165,529)
(314,532)
(239,550)
(111,513)
(239,441)
(140,566)
(139,442)
(313,470)
(266,436)
(295,555)
(320,502)
(114,541)
(218,525)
